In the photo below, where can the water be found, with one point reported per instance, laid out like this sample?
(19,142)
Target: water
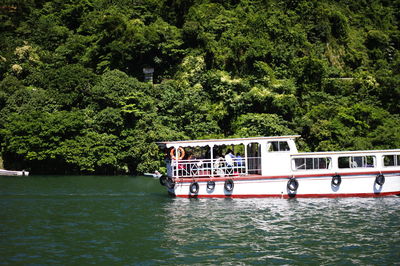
(131,221)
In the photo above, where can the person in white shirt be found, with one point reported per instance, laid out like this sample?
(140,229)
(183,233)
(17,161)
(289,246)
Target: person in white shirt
(229,158)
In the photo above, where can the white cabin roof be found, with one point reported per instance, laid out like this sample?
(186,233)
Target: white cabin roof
(350,153)
(232,141)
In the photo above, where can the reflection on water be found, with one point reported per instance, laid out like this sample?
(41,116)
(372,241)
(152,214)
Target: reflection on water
(131,220)
(284,231)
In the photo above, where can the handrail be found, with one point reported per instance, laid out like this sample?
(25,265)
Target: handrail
(216,167)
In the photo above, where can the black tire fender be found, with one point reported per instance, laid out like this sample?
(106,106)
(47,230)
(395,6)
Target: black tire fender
(292,184)
(170,183)
(336,180)
(194,188)
(380,179)
(210,185)
(163,180)
(229,185)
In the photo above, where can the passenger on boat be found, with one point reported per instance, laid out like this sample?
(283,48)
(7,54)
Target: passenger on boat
(229,157)
(174,163)
(219,166)
(239,160)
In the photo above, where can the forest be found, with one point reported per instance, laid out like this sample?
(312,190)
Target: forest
(73,99)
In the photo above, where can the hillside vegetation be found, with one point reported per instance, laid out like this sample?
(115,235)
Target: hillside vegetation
(73,100)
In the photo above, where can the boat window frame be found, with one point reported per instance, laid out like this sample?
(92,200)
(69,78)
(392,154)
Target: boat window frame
(396,160)
(312,161)
(280,145)
(354,161)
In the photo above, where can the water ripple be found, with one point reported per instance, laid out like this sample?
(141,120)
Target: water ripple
(123,220)
(285,231)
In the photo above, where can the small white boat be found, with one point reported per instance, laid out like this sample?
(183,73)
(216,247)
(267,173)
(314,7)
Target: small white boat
(273,167)
(156,174)
(13,173)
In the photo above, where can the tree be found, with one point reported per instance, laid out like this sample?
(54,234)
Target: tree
(252,125)
(33,139)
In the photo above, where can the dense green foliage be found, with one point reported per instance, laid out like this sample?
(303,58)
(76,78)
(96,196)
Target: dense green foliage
(72,96)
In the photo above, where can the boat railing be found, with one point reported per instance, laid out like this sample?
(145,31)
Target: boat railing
(213,168)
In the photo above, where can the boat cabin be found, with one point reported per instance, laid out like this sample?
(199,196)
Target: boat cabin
(229,157)
(267,156)
(345,161)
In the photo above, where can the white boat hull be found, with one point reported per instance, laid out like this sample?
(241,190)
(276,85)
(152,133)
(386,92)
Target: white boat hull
(13,173)
(352,185)
(273,167)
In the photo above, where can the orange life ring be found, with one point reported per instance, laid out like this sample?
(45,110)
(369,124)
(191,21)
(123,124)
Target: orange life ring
(181,153)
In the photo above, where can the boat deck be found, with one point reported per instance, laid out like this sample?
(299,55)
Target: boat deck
(288,176)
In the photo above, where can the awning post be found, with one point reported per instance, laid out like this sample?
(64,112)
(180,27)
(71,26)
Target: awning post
(245,159)
(176,161)
(212,159)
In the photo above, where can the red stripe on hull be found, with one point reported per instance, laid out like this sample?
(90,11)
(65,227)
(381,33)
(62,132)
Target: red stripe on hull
(286,196)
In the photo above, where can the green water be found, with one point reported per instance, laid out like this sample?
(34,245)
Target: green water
(132,221)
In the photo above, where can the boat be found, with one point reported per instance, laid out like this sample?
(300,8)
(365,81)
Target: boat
(273,167)
(156,174)
(13,173)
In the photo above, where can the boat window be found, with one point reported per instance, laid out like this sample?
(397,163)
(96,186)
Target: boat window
(344,162)
(391,160)
(299,163)
(356,161)
(309,163)
(278,146)
(273,146)
(312,163)
(284,146)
